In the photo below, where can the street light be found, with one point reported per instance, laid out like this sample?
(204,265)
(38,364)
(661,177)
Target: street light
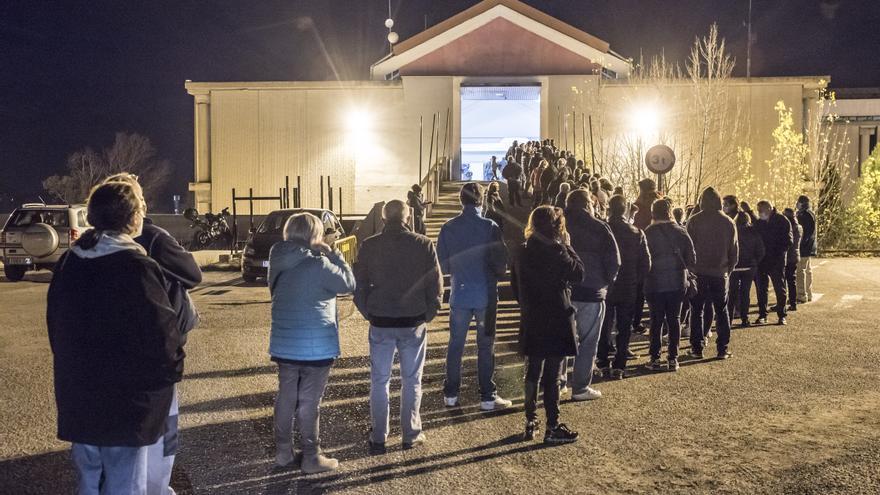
(644,120)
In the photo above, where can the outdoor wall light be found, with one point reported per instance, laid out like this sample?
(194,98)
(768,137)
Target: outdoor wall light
(645,120)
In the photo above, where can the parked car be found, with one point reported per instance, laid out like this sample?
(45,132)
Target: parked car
(255,257)
(36,235)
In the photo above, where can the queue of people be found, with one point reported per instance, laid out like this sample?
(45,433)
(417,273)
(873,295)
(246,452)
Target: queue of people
(119,312)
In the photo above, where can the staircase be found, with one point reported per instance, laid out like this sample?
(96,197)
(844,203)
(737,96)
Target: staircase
(445,207)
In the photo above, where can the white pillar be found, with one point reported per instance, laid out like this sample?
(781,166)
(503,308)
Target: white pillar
(202,163)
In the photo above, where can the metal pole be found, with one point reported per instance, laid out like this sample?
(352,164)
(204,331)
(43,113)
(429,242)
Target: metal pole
(558,121)
(234,222)
(446,134)
(251,207)
(329,194)
(584,134)
(287,190)
(430,148)
(592,151)
(322,192)
(420,148)
(298,200)
(340,202)
(574,134)
(281,198)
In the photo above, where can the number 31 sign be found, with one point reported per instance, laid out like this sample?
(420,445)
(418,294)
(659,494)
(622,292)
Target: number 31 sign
(660,159)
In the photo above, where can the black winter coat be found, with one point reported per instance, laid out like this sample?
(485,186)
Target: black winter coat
(180,269)
(751,247)
(594,243)
(777,237)
(807,219)
(672,255)
(635,259)
(116,348)
(540,281)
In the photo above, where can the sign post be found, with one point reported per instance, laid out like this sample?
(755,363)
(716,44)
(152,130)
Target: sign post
(660,159)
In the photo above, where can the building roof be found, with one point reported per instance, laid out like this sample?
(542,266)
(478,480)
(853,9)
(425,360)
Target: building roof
(570,41)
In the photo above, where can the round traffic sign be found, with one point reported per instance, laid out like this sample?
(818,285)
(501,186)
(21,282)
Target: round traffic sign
(660,159)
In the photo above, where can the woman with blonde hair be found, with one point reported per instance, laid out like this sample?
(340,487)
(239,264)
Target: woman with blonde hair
(305,276)
(544,269)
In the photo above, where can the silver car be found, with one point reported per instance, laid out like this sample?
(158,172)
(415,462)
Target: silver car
(36,235)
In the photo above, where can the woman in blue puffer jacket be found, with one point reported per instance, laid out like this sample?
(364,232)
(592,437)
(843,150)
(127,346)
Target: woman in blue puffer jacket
(305,276)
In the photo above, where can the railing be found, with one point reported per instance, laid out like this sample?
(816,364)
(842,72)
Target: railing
(430,183)
(349,248)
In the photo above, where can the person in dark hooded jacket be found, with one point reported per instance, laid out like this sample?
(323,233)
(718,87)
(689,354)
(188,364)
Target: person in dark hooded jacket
(116,346)
(751,252)
(715,243)
(635,262)
(775,231)
(808,249)
(793,258)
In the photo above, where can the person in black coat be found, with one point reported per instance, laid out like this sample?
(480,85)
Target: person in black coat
(513,173)
(775,231)
(672,256)
(544,269)
(751,252)
(808,250)
(635,262)
(116,346)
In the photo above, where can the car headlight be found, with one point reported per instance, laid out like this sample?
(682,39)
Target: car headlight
(249,251)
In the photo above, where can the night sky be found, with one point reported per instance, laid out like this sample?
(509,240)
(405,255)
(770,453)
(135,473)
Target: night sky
(74,73)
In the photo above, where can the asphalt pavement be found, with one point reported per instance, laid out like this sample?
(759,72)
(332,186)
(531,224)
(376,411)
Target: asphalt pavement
(794,411)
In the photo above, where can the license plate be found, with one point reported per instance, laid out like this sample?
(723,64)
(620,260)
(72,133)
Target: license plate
(18,260)
(266,264)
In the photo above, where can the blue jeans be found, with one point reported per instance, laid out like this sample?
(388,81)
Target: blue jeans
(589,316)
(411,345)
(110,470)
(459,324)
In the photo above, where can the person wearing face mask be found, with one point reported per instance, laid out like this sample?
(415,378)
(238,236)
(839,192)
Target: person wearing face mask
(775,231)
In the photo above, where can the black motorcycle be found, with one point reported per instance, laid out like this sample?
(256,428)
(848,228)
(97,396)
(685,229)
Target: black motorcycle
(213,231)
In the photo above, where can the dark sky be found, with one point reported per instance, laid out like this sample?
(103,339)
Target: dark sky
(73,73)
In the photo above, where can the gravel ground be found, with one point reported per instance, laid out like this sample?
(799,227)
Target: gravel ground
(794,411)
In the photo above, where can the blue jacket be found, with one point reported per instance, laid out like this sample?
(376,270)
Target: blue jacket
(471,251)
(304,286)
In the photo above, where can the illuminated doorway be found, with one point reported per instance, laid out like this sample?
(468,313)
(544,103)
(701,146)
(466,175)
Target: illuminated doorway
(492,118)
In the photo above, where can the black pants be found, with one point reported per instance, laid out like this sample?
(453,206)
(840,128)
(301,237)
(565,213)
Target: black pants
(639,308)
(712,290)
(619,310)
(740,296)
(537,198)
(419,224)
(546,372)
(514,195)
(791,283)
(771,271)
(665,307)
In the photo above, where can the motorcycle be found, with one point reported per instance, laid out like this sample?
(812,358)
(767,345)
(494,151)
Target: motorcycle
(213,231)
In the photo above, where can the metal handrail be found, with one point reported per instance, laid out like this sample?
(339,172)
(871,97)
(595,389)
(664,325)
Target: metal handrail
(430,183)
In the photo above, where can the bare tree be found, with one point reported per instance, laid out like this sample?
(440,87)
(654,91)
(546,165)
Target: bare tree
(132,153)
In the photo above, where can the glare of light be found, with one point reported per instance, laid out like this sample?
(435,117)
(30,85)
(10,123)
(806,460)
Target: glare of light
(644,120)
(357,121)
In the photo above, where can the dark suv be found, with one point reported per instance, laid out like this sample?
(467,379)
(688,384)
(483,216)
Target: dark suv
(255,257)
(36,235)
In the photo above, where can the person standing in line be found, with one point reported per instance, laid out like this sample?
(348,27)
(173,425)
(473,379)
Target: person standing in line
(494,164)
(808,249)
(513,174)
(545,267)
(713,235)
(751,252)
(642,219)
(305,277)
(182,273)
(775,231)
(537,185)
(564,189)
(471,251)
(116,345)
(493,206)
(416,201)
(594,244)
(399,289)
(793,258)
(549,184)
(635,262)
(672,255)
(730,206)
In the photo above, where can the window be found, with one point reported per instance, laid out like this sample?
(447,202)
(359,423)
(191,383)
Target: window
(274,223)
(25,218)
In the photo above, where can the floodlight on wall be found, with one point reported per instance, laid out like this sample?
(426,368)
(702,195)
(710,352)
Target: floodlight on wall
(357,121)
(644,120)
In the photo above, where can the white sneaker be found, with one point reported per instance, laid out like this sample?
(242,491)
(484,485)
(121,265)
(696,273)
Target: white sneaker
(590,394)
(496,404)
(450,401)
(564,393)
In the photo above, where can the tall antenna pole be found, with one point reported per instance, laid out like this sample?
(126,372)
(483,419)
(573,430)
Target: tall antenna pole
(749,44)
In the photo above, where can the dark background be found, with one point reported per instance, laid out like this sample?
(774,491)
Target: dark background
(74,73)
